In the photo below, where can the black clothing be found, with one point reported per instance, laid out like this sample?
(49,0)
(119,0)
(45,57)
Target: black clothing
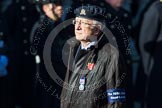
(45,87)
(17,85)
(150,48)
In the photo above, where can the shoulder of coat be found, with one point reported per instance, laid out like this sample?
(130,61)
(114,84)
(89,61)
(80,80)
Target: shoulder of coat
(109,49)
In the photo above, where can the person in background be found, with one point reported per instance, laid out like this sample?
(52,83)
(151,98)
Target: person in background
(150,43)
(123,38)
(16,87)
(51,12)
(3,56)
(3,46)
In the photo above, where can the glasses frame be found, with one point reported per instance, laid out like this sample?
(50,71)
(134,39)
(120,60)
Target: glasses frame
(81,23)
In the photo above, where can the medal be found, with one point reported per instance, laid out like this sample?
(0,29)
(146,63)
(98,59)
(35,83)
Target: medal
(82,81)
(81,87)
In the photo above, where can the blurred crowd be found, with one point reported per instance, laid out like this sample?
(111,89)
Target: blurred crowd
(26,24)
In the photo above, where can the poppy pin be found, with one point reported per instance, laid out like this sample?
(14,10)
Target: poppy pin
(91,66)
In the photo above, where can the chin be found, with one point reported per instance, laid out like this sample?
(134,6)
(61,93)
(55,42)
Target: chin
(77,38)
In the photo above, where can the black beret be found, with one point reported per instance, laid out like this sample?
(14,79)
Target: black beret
(91,12)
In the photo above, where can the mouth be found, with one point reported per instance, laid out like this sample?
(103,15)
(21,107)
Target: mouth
(79,32)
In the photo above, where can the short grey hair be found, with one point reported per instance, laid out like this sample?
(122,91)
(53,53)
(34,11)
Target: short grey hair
(98,23)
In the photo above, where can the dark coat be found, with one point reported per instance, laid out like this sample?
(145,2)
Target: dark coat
(103,70)
(150,48)
(17,85)
(45,87)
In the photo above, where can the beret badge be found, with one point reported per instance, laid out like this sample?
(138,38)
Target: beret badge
(83,12)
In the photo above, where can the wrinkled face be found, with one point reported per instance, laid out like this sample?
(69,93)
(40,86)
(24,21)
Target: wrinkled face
(115,3)
(84,30)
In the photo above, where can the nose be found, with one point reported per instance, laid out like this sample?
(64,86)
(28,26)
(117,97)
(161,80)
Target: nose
(78,26)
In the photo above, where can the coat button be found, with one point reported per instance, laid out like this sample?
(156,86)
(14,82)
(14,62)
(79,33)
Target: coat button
(24,19)
(109,15)
(24,30)
(26,52)
(25,41)
(112,26)
(113,38)
(128,61)
(1,34)
(23,7)
(129,27)
(125,15)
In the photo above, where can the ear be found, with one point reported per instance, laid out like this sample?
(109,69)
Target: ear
(50,6)
(99,27)
(97,30)
(45,8)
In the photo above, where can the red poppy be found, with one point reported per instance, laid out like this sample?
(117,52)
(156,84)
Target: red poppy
(90,66)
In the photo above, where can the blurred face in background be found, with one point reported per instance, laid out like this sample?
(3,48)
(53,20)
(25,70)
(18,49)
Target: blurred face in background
(58,11)
(53,11)
(115,3)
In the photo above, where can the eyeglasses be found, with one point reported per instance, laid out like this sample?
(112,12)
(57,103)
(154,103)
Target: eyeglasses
(84,24)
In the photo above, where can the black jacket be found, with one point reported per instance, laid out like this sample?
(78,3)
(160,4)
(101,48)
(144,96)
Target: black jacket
(45,87)
(150,49)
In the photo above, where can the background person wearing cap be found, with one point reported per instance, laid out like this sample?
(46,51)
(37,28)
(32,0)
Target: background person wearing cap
(96,76)
(51,12)
(124,39)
